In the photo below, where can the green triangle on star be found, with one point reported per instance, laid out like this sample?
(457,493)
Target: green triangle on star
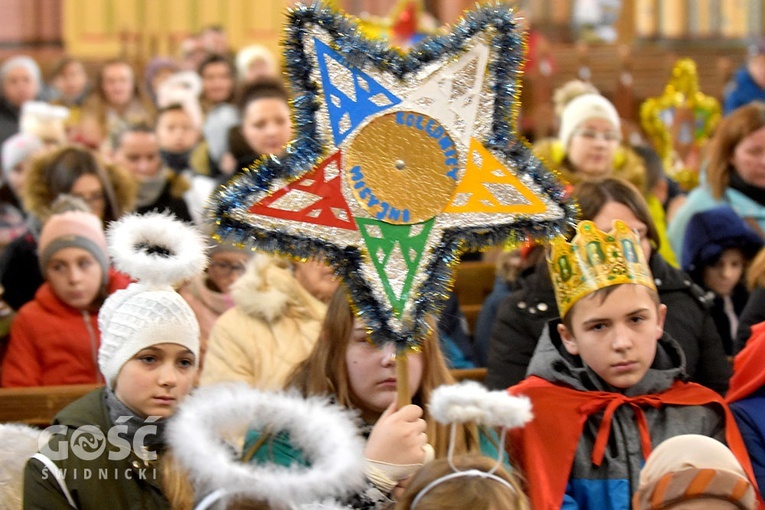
(395,250)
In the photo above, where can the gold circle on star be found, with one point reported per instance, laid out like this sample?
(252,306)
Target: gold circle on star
(402,167)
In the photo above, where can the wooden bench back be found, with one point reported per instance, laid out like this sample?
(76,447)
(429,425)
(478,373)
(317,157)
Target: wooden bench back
(38,405)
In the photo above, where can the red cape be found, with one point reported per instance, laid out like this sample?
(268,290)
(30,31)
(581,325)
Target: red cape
(748,375)
(547,444)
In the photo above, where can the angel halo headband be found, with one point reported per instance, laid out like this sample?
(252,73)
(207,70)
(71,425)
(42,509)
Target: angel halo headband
(460,474)
(471,402)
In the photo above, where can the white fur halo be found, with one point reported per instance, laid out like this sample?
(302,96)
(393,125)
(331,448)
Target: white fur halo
(325,433)
(156,248)
(469,401)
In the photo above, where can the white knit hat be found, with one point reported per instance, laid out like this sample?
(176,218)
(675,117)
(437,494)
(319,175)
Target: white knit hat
(160,252)
(18,149)
(583,108)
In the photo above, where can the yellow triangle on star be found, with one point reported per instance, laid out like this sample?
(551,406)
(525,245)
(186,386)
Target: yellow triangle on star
(474,196)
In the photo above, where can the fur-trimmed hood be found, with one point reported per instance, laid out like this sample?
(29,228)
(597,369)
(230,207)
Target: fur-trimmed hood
(38,196)
(268,290)
(628,165)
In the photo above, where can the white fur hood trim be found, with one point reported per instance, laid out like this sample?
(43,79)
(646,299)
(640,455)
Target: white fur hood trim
(471,402)
(268,290)
(324,432)
(17,444)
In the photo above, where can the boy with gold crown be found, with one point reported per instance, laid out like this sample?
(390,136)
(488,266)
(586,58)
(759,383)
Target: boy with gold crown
(607,384)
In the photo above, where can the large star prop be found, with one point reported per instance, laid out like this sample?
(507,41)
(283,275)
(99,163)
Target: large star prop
(401,162)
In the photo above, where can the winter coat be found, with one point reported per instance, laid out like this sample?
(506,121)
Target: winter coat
(20,273)
(522,317)
(753,313)
(127,484)
(271,329)
(610,482)
(720,318)
(52,343)
(745,90)
(9,119)
(171,198)
(701,199)
(747,399)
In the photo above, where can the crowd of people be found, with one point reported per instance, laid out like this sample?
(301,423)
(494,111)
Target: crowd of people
(645,384)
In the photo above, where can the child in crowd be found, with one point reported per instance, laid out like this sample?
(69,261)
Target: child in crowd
(478,491)
(266,126)
(209,294)
(693,472)
(136,149)
(177,136)
(718,247)
(746,398)
(148,357)
(345,365)
(17,154)
(607,383)
(54,338)
(524,316)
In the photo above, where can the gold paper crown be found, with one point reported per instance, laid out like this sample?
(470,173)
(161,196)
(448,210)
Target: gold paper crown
(594,260)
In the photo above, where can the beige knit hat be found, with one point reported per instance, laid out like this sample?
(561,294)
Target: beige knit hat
(160,252)
(693,468)
(583,108)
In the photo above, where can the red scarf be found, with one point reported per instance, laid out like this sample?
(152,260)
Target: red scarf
(546,446)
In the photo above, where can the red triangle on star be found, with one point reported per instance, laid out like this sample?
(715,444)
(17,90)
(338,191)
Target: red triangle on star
(314,198)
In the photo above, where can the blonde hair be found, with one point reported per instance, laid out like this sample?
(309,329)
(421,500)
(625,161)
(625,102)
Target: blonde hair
(325,373)
(475,492)
(732,130)
(755,275)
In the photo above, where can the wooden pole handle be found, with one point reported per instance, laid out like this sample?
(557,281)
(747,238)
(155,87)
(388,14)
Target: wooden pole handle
(402,380)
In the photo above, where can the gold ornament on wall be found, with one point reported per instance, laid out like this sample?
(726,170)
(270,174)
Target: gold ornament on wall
(680,122)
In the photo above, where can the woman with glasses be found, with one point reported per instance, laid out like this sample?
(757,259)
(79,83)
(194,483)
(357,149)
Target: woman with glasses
(108,191)
(209,294)
(589,147)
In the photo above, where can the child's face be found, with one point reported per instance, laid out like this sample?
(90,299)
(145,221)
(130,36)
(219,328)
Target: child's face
(17,177)
(592,148)
(75,276)
(372,373)
(88,187)
(156,379)
(723,276)
(117,84)
(138,153)
(225,268)
(176,132)
(217,82)
(617,337)
(749,158)
(72,80)
(266,126)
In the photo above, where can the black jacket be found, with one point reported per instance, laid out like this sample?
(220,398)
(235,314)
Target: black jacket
(522,317)
(753,313)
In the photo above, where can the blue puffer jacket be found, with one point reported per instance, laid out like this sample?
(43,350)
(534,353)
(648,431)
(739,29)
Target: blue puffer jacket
(745,90)
(611,485)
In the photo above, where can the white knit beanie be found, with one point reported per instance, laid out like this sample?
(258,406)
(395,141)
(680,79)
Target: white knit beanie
(18,149)
(160,252)
(583,108)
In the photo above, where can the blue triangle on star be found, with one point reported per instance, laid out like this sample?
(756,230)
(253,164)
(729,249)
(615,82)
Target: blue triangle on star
(351,95)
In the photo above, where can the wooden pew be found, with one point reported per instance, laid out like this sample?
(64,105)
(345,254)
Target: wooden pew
(38,405)
(469,374)
(473,283)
